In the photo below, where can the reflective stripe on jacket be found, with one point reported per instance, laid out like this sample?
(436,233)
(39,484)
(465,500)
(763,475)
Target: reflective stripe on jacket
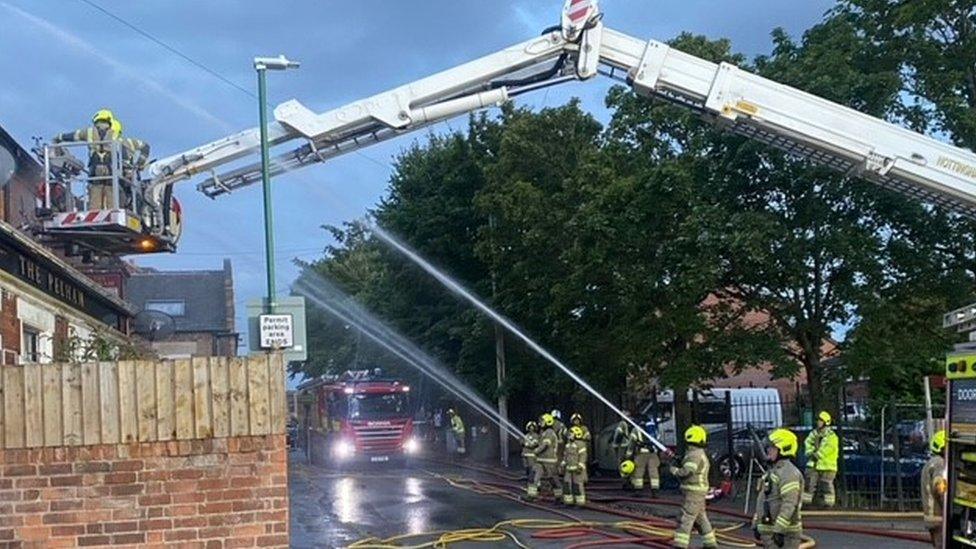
(529,444)
(778,503)
(693,471)
(545,452)
(825,449)
(575,456)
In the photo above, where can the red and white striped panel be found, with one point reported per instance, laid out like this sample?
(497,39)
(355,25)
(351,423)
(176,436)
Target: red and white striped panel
(578,11)
(91,217)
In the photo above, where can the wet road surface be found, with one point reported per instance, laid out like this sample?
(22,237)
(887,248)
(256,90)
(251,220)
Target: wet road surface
(336,508)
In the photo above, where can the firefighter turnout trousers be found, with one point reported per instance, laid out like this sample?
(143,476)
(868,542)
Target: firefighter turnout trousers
(822,482)
(646,463)
(546,472)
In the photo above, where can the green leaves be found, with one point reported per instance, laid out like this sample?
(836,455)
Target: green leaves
(660,249)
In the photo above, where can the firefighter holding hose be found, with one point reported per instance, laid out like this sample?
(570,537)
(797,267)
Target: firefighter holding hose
(646,461)
(546,461)
(693,474)
(529,445)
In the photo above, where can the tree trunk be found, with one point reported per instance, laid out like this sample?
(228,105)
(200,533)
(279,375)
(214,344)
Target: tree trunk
(814,383)
(682,415)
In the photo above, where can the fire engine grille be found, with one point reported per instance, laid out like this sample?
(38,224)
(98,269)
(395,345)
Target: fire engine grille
(379,438)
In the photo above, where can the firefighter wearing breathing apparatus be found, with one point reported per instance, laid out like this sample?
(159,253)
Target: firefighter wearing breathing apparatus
(777,519)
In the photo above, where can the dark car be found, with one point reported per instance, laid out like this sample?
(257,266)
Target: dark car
(861,449)
(866,463)
(747,443)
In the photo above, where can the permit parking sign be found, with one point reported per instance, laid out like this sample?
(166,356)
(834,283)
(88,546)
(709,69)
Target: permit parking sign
(277,331)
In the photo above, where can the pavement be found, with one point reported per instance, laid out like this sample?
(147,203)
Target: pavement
(333,508)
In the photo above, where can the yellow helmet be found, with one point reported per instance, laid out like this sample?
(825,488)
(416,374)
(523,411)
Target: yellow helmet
(627,468)
(103,115)
(576,433)
(548,420)
(785,441)
(116,127)
(696,435)
(824,417)
(938,442)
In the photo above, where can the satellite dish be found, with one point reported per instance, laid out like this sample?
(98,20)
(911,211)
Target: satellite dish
(153,325)
(8,165)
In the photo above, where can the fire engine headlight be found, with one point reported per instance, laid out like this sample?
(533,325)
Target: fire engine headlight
(411,446)
(344,449)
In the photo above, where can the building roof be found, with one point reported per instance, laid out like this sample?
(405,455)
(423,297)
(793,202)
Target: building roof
(203,294)
(25,160)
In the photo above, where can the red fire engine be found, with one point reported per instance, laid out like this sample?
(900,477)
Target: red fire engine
(360,415)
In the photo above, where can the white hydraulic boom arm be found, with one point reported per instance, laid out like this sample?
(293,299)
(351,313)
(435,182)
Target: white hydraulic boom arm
(798,122)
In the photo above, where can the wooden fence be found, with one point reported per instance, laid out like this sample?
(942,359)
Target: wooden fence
(141,401)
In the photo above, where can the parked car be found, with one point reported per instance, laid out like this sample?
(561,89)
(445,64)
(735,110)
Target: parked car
(863,459)
(747,443)
(854,412)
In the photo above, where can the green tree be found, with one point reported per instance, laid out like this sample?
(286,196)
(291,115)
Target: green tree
(936,42)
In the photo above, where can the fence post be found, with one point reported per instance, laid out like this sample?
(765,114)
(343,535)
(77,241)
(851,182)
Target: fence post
(840,481)
(728,421)
(694,407)
(897,448)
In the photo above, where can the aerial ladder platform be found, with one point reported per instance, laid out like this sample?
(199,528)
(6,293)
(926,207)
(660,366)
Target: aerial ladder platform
(581,47)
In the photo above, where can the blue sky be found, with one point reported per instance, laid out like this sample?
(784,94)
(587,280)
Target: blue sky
(62,60)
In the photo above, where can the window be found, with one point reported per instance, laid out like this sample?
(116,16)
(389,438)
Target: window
(172,307)
(377,406)
(32,345)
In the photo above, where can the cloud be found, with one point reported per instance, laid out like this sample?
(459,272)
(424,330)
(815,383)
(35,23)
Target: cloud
(81,45)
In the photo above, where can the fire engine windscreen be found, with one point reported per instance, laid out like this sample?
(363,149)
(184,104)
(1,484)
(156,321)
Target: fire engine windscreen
(377,406)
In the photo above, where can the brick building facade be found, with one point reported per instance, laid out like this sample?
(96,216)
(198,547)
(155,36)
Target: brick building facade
(201,304)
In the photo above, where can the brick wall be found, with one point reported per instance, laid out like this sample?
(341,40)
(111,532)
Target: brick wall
(221,492)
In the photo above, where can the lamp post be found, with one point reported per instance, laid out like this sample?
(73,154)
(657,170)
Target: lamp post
(262,65)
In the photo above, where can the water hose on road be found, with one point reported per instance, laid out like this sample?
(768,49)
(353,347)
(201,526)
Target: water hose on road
(827,527)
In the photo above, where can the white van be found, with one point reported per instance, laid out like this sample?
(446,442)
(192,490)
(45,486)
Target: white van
(760,408)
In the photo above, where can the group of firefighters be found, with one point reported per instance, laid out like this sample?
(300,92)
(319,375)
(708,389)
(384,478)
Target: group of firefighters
(552,450)
(105,130)
(556,455)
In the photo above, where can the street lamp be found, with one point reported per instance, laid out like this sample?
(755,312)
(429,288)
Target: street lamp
(262,65)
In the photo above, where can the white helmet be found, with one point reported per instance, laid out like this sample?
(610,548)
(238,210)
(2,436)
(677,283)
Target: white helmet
(556,414)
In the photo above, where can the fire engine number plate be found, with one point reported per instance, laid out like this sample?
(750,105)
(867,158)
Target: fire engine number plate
(375,459)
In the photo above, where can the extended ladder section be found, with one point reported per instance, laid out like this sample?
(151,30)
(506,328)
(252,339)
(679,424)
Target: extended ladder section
(797,122)
(460,90)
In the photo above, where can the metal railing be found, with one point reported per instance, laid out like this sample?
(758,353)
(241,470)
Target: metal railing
(62,169)
(882,449)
